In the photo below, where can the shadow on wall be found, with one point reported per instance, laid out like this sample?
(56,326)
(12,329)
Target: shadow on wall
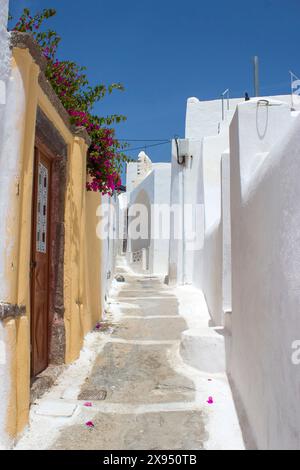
(245,426)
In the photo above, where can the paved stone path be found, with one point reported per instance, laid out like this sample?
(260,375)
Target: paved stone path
(143,396)
(133,369)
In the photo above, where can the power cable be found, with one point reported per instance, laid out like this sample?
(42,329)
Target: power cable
(143,140)
(146,146)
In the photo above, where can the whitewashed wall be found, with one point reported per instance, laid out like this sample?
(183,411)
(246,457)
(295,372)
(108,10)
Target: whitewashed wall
(226,233)
(185,259)
(206,139)
(159,253)
(204,118)
(9,138)
(265,223)
(143,194)
(110,243)
(208,178)
(8,171)
(131,175)
(152,192)
(4,387)
(122,226)
(212,285)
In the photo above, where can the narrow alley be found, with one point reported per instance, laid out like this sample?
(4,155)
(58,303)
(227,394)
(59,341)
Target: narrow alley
(150,225)
(130,389)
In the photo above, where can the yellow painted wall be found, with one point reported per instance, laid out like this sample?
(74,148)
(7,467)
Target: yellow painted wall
(74,224)
(82,247)
(17,330)
(93,256)
(82,256)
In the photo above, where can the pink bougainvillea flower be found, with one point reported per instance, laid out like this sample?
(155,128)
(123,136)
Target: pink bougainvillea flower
(90,424)
(88,404)
(210,400)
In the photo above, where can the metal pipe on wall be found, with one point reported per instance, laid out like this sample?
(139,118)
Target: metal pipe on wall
(256,75)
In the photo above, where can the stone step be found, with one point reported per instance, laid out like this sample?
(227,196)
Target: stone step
(204,349)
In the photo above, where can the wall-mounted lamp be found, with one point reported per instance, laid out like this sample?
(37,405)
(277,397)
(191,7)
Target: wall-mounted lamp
(182,147)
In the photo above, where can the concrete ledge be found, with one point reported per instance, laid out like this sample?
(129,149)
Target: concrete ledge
(204,349)
(11,311)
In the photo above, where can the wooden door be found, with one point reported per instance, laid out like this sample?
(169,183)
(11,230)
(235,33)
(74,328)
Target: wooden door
(40,264)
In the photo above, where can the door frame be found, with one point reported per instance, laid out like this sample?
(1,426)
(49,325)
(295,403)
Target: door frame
(40,148)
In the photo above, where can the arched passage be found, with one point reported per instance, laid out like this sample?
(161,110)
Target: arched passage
(139,230)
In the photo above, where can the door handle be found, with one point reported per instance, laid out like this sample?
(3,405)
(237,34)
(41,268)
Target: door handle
(33,265)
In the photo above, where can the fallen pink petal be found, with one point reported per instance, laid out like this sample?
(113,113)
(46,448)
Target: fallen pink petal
(90,424)
(210,401)
(88,404)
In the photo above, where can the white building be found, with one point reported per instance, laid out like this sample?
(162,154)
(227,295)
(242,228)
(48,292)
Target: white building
(109,211)
(244,172)
(148,193)
(263,342)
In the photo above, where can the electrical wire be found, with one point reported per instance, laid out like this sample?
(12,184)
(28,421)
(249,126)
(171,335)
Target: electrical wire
(143,140)
(146,146)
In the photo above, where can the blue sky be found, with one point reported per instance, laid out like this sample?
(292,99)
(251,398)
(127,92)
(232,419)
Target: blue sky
(164,51)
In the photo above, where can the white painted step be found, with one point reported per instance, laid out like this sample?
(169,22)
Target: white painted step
(204,349)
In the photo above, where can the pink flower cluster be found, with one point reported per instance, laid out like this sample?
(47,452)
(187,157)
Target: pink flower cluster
(81,118)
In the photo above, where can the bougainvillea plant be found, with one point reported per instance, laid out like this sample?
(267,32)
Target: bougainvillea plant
(69,80)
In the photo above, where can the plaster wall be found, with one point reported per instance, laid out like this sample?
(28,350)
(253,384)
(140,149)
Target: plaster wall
(265,218)
(74,274)
(204,118)
(212,264)
(226,232)
(143,195)
(187,236)
(160,241)
(5,54)
(153,193)
(23,95)
(131,175)
(5,372)
(17,135)
(212,148)
(110,243)
(198,182)
(93,260)
(122,227)
(5,382)
(114,234)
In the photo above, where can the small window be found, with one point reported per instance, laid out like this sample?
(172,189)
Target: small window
(42,203)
